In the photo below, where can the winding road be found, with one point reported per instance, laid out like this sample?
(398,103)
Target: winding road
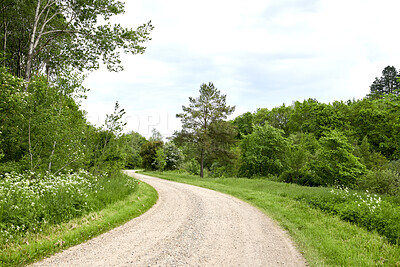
(188,226)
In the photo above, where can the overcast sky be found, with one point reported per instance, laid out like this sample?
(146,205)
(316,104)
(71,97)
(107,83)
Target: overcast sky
(261,54)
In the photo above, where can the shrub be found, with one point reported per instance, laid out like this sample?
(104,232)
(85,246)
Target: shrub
(219,170)
(382,181)
(334,162)
(363,209)
(302,177)
(192,167)
(174,156)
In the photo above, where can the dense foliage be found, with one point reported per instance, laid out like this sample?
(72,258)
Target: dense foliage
(354,143)
(364,209)
(55,165)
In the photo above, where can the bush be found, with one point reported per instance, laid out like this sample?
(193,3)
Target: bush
(385,181)
(219,170)
(334,162)
(305,178)
(174,156)
(363,209)
(192,167)
(11,166)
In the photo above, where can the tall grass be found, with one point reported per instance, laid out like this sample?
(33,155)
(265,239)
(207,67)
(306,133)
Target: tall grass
(29,202)
(325,238)
(97,203)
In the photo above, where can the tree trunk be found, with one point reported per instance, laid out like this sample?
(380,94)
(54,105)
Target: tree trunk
(30,146)
(201,162)
(52,154)
(5,42)
(29,59)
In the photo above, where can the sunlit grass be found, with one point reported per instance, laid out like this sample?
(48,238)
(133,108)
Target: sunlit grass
(324,239)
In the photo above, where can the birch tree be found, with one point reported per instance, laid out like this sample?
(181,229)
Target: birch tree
(68,33)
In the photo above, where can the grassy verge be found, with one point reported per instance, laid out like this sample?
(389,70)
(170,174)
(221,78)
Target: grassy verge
(33,246)
(324,239)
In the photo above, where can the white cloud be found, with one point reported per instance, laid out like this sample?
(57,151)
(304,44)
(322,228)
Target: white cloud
(259,53)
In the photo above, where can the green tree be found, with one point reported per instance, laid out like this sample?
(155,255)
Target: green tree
(222,151)
(148,152)
(387,84)
(377,119)
(263,152)
(208,108)
(45,130)
(335,163)
(132,143)
(160,160)
(244,124)
(108,152)
(302,148)
(52,35)
(173,155)
(313,117)
(13,101)
(371,159)
(278,117)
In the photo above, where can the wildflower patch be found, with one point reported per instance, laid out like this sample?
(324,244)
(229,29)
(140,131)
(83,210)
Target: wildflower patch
(363,209)
(29,202)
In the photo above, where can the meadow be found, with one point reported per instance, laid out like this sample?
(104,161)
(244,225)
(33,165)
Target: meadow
(330,226)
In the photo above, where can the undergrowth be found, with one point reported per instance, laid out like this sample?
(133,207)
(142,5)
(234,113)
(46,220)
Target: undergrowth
(361,208)
(29,202)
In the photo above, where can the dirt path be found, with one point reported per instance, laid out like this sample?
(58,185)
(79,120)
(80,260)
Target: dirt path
(189,226)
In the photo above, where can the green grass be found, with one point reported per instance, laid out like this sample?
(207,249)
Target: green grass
(324,239)
(116,209)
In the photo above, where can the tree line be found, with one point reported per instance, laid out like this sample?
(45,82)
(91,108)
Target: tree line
(47,49)
(355,143)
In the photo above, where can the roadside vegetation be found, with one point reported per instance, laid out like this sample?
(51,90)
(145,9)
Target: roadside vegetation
(50,214)
(60,176)
(325,238)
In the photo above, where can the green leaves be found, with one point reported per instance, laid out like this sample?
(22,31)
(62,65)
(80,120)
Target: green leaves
(209,108)
(263,152)
(387,84)
(148,153)
(50,34)
(335,163)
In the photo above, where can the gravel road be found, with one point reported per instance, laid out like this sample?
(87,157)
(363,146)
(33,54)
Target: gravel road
(188,226)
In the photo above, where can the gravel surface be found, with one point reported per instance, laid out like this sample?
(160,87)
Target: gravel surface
(188,226)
